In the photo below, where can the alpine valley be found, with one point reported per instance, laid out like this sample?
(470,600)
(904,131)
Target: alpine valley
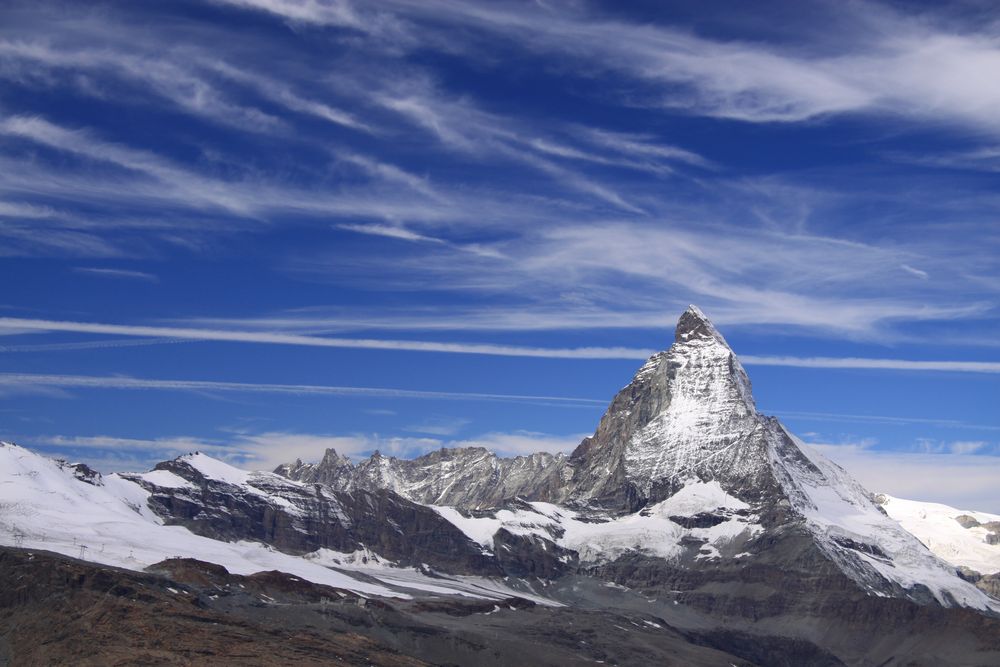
(690,529)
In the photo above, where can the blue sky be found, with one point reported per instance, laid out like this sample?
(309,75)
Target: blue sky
(260,228)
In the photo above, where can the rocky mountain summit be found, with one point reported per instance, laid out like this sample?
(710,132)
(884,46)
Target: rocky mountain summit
(687,512)
(688,412)
(682,442)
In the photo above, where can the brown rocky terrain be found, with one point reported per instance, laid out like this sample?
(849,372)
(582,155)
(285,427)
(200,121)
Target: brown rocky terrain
(56,610)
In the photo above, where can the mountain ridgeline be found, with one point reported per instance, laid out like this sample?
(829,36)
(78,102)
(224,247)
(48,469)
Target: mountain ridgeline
(686,427)
(696,522)
(688,413)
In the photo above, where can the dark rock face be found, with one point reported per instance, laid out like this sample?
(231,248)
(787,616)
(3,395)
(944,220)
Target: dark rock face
(993,537)
(82,472)
(300,518)
(532,556)
(470,477)
(824,618)
(85,473)
(700,520)
(991,584)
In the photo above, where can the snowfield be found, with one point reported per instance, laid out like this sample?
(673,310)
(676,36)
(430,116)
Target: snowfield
(44,505)
(937,526)
(47,504)
(651,531)
(839,510)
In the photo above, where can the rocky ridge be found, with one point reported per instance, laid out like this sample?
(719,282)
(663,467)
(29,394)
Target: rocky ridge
(686,502)
(687,419)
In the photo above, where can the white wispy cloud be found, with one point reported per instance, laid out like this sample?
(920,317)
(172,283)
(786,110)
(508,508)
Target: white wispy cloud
(183,183)
(169,445)
(884,419)
(985,159)
(331,12)
(878,364)
(144,181)
(155,182)
(118,273)
(196,81)
(26,240)
(403,233)
(87,345)
(462,126)
(193,78)
(888,63)
(284,95)
(389,231)
(167,79)
(19,210)
(669,243)
(624,272)
(277,338)
(13,381)
(439,426)
(643,146)
(390,173)
(919,273)
(963,447)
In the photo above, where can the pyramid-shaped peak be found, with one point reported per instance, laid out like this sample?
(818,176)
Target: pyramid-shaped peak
(694,324)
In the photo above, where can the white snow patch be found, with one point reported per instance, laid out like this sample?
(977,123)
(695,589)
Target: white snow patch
(361,558)
(216,469)
(166,479)
(934,524)
(650,532)
(697,497)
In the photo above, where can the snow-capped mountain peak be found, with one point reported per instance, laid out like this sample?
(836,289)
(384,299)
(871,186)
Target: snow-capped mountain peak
(686,421)
(683,485)
(693,324)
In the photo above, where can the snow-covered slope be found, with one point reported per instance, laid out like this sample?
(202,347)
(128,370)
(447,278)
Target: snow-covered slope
(708,421)
(869,546)
(701,521)
(963,538)
(684,485)
(686,423)
(51,505)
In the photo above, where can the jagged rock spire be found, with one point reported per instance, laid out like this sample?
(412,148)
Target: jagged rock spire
(694,324)
(688,413)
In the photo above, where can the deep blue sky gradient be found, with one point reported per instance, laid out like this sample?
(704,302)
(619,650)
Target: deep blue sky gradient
(820,177)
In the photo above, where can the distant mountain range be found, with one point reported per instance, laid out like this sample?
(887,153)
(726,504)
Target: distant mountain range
(688,519)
